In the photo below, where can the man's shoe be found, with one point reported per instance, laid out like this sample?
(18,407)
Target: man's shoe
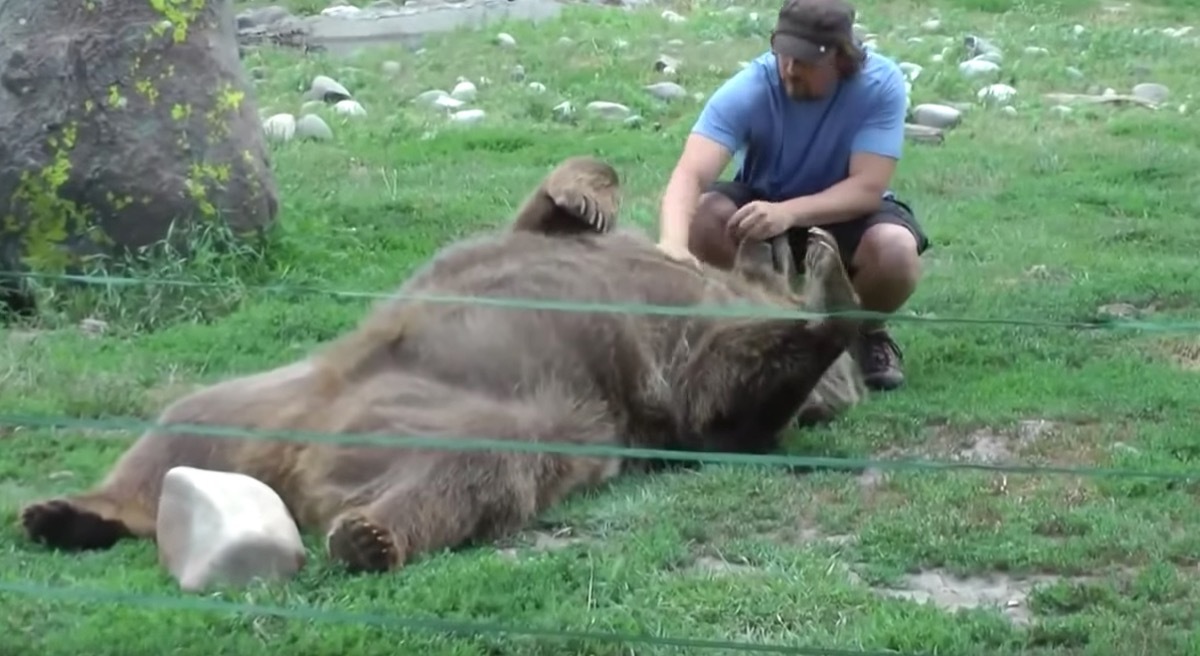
(880,358)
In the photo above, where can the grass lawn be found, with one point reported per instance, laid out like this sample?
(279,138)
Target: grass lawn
(1037,216)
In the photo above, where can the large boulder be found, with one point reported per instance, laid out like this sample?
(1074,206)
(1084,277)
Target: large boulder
(119,118)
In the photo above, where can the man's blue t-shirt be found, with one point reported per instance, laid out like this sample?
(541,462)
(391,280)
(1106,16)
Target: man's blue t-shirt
(787,148)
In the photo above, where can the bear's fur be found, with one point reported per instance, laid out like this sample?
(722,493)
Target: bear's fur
(465,370)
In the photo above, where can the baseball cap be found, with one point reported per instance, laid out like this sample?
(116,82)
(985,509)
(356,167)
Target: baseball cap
(808,29)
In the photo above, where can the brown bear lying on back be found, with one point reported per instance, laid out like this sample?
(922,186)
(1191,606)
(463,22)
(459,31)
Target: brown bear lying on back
(453,371)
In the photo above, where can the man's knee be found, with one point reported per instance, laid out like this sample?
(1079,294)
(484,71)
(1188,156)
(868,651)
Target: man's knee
(889,251)
(708,238)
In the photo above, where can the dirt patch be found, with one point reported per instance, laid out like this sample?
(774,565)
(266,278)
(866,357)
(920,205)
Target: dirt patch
(1026,442)
(1183,352)
(722,567)
(949,592)
(541,541)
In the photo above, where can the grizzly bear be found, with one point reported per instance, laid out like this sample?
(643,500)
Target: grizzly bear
(450,370)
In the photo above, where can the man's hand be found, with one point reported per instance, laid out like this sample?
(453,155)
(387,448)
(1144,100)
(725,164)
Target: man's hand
(678,253)
(759,221)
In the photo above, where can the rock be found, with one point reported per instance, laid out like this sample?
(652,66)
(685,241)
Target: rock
(978,68)
(313,127)
(537,87)
(996,93)
(1151,92)
(931,25)
(666,91)
(349,108)
(506,40)
(430,97)
(977,46)
(1036,50)
(262,17)
(923,134)
(447,102)
(911,71)
(608,110)
(665,63)
(219,528)
(672,17)
(468,116)
(517,73)
(465,91)
(89,168)
(280,127)
(327,89)
(390,68)
(936,116)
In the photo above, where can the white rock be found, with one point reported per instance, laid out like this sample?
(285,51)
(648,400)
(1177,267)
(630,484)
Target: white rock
(1152,92)
(1009,110)
(447,102)
(537,87)
(280,127)
(911,71)
(672,17)
(505,39)
(936,116)
(220,528)
(1061,110)
(932,25)
(311,126)
(609,110)
(341,11)
(565,41)
(390,67)
(468,116)
(430,97)
(349,108)
(666,90)
(1036,50)
(465,91)
(997,93)
(1078,29)
(978,67)
(327,89)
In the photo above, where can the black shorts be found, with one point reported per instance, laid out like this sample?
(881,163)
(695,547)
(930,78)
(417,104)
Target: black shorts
(848,233)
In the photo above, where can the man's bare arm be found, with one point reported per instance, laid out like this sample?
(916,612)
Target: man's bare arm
(699,165)
(861,193)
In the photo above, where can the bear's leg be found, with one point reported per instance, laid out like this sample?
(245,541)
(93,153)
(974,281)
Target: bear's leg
(444,499)
(581,195)
(749,377)
(125,504)
(827,289)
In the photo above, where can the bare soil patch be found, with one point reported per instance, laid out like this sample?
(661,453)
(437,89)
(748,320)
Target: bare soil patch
(1008,594)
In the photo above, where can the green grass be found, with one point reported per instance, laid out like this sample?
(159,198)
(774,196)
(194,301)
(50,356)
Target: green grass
(1033,216)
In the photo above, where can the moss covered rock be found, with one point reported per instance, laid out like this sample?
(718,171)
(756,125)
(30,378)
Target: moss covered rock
(119,118)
